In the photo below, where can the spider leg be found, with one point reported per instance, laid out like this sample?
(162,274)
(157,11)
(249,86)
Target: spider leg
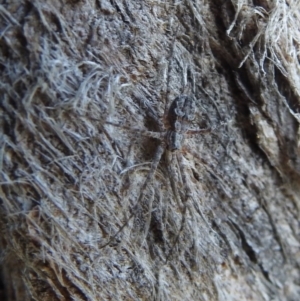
(188,193)
(173,177)
(166,90)
(199,131)
(146,133)
(185,199)
(223,185)
(187,207)
(205,130)
(157,156)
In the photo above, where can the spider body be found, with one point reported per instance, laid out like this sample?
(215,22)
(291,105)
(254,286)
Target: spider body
(177,116)
(181,111)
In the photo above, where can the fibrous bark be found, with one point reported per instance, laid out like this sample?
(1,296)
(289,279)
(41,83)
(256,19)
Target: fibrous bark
(82,83)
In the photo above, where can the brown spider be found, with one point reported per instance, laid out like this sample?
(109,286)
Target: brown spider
(179,115)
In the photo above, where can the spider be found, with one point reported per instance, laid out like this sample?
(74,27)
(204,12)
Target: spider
(179,115)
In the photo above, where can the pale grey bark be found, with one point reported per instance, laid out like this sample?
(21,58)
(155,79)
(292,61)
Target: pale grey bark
(82,85)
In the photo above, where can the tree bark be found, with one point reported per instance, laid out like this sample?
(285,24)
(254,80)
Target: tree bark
(95,205)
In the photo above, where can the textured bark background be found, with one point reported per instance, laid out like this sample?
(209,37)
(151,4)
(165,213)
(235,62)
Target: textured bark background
(80,82)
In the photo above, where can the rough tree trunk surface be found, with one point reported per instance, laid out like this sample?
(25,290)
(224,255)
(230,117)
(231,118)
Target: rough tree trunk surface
(83,83)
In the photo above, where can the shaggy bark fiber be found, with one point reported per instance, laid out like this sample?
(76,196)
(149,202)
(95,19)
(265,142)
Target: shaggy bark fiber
(89,210)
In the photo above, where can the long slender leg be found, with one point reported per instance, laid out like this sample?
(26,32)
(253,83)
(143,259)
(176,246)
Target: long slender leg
(185,199)
(199,131)
(206,130)
(156,135)
(189,192)
(188,189)
(166,91)
(173,177)
(225,187)
(159,151)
